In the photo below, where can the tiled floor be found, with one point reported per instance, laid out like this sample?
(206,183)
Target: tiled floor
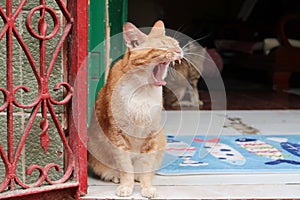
(220,186)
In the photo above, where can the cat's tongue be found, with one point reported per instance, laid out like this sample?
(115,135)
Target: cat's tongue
(158,73)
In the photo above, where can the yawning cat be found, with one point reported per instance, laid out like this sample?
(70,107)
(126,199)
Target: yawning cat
(126,139)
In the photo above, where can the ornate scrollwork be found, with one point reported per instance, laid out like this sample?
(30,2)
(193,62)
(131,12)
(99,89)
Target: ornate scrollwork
(68,96)
(5,94)
(27,90)
(43,173)
(43,101)
(42,26)
(44,137)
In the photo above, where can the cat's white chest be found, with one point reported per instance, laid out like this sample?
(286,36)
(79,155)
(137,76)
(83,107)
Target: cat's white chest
(145,104)
(138,109)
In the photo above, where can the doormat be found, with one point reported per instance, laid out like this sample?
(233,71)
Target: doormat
(191,155)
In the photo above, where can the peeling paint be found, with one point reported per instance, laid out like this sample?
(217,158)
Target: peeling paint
(240,126)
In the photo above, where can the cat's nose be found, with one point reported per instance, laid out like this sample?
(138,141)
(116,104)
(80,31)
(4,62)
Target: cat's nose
(177,50)
(179,53)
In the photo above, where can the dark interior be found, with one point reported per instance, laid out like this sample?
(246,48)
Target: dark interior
(247,21)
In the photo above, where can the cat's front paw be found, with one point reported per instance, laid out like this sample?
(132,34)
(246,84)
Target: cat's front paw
(149,192)
(124,191)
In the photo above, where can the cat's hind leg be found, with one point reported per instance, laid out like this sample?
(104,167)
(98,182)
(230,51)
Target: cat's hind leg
(105,173)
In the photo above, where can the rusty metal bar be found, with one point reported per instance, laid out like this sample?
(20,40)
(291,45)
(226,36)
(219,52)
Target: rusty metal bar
(9,86)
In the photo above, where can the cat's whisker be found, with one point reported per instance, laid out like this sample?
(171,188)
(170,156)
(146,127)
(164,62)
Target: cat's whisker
(195,54)
(202,56)
(177,31)
(171,73)
(195,41)
(192,63)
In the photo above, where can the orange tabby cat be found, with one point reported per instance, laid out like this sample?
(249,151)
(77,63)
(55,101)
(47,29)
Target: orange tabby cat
(126,140)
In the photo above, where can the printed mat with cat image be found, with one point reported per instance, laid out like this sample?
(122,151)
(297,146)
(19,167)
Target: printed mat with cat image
(188,155)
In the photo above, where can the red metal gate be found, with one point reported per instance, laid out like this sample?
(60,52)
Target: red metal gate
(73,28)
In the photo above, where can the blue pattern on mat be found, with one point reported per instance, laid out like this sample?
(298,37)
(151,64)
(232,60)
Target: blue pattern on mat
(187,155)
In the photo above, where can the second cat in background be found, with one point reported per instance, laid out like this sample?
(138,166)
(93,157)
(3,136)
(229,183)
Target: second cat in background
(182,79)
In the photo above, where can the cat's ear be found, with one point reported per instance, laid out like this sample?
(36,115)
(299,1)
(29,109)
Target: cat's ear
(132,35)
(158,29)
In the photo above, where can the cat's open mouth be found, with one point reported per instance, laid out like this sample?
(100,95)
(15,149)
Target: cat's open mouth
(159,73)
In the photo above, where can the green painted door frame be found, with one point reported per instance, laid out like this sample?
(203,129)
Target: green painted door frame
(117,10)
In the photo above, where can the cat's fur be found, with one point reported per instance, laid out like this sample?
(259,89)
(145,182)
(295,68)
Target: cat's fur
(182,79)
(126,139)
